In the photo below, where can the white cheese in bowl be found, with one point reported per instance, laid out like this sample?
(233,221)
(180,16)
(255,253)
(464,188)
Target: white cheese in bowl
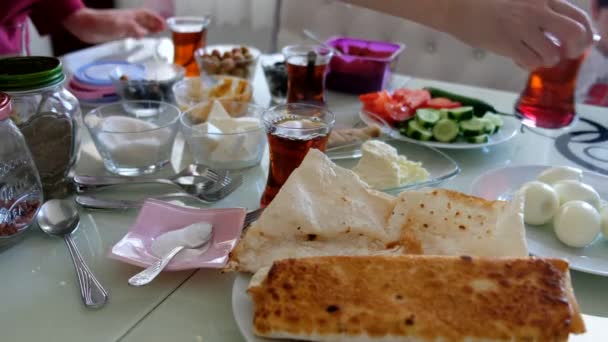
(227,139)
(381,167)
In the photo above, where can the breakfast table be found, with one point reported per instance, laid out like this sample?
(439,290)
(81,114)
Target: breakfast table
(41,301)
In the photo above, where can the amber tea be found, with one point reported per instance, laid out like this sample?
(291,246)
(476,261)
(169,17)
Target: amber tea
(291,134)
(306,73)
(548,100)
(189,34)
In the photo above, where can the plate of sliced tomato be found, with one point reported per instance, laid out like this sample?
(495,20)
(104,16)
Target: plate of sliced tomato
(439,118)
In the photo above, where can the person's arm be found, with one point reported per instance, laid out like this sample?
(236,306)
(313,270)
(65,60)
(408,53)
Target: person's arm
(513,28)
(98,26)
(47,15)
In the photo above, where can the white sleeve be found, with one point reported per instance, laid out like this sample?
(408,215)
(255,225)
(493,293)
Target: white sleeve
(588,74)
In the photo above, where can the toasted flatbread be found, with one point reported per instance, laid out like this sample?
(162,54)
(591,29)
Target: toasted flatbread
(416,298)
(444,222)
(322,209)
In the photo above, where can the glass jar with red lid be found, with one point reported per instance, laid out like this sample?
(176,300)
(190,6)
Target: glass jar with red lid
(20,188)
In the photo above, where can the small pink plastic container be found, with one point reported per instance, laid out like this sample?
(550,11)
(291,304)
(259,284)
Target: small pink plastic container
(364,67)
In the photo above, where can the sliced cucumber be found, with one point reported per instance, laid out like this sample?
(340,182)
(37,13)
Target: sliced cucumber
(488,126)
(496,120)
(415,131)
(478,139)
(460,113)
(472,127)
(446,130)
(427,118)
(443,113)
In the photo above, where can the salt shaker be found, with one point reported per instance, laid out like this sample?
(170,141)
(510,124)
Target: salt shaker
(20,187)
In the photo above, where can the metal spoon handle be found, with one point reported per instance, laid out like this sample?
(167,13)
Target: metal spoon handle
(99,203)
(92,182)
(146,276)
(92,292)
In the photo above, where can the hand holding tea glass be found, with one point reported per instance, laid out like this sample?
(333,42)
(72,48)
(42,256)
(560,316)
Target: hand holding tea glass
(292,130)
(548,101)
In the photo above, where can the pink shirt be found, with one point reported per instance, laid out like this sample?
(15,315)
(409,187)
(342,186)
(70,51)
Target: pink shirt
(47,16)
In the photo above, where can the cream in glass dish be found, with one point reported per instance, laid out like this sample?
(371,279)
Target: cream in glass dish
(134,137)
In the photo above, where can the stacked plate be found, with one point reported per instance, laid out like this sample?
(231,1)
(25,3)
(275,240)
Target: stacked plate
(92,84)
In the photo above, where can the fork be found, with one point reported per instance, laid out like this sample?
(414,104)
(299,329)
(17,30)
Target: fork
(225,188)
(205,197)
(252,216)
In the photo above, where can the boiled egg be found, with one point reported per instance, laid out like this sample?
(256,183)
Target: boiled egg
(540,203)
(571,190)
(560,173)
(576,223)
(604,219)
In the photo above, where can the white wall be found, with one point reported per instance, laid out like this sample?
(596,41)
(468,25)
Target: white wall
(39,46)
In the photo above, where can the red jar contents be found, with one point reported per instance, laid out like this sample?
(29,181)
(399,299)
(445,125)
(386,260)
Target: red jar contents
(364,67)
(15,216)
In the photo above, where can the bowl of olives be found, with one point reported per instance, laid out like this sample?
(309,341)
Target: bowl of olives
(155,83)
(228,60)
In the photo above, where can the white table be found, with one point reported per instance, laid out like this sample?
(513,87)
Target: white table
(40,299)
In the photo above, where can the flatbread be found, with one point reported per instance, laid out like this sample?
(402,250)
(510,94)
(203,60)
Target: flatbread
(322,209)
(444,222)
(416,298)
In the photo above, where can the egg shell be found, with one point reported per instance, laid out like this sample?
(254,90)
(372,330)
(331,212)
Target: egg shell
(604,220)
(576,224)
(571,190)
(560,173)
(540,203)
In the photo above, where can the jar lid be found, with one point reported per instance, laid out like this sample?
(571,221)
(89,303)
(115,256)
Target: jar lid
(5,106)
(99,73)
(27,73)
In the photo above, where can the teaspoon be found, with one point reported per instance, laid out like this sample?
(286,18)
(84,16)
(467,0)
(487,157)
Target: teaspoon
(60,218)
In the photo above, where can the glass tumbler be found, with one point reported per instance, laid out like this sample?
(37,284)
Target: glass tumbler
(306,73)
(292,130)
(188,34)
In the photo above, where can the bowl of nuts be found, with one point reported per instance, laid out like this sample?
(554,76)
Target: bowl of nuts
(230,60)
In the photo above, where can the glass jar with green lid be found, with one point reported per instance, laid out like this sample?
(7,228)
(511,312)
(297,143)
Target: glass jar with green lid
(47,114)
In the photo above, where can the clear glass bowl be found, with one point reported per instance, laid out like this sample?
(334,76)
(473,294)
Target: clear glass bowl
(134,137)
(191,91)
(155,85)
(438,164)
(238,149)
(228,60)
(275,72)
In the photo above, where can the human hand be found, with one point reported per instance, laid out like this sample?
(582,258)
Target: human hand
(524,30)
(98,26)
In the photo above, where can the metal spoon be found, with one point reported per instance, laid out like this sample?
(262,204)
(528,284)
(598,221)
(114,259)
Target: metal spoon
(60,218)
(193,172)
(310,35)
(147,275)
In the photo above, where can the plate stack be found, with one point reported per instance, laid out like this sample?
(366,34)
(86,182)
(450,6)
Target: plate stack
(92,84)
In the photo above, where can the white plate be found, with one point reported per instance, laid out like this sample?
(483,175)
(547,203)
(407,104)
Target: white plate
(242,310)
(509,130)
(500,183)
